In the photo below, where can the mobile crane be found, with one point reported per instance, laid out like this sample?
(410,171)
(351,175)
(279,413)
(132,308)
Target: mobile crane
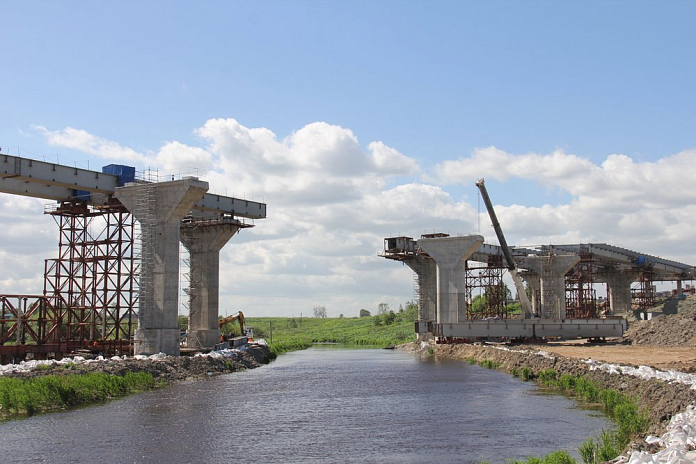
(521,293)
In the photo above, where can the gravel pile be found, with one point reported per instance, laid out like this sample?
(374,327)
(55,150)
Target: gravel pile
(162,367)
(676,327)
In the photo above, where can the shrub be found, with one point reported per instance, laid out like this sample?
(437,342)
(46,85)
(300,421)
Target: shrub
(547,376)
(527,373)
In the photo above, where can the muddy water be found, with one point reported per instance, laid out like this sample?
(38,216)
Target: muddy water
(325,404)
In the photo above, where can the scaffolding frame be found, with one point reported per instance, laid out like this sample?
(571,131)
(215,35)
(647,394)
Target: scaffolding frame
(581,297)
(490,279)
(643,296)
(95,276)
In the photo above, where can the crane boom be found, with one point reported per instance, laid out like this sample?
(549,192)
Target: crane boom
(521,293)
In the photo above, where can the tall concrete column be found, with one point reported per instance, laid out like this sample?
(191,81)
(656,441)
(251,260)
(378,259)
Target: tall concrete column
(450,255)
(619,289)
(159,208)
(426,272)
(534,282)
(551,270)
(204,240)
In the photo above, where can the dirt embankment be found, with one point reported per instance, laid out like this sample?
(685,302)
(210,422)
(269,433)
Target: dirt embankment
(673,325)
(166,369)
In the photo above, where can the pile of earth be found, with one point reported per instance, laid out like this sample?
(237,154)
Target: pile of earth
(163,368)
(674,326)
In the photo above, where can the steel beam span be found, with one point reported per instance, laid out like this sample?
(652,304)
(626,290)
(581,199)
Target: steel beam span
(51,181)
(533,328)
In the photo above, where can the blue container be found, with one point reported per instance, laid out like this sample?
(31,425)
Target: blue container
(82,195)
(124,174)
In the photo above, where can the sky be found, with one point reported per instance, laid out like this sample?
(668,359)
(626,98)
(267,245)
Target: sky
(359,120)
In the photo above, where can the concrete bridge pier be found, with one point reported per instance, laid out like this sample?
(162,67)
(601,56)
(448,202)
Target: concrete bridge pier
(619,290)
(426,273)
(159,208)
(534,282)
(450,255)
(204,240)
(551,270)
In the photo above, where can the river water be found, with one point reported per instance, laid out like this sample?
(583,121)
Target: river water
(324,404)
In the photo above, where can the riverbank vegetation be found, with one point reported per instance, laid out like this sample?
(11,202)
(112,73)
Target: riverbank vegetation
(288,334)
(27,396)
(631,421)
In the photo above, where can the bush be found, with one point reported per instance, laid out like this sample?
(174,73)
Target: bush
(547,376)
(527,373)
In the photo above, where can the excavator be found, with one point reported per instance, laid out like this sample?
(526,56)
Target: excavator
(230,340)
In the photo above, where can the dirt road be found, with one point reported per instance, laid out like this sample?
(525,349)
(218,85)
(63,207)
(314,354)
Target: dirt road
(660,357)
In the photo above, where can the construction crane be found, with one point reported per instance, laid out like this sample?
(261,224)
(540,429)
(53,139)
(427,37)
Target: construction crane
(512,268)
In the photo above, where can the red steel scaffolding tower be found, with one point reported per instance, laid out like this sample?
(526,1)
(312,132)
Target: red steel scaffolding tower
(95,276)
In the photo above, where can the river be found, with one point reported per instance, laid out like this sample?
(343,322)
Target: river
(324,404)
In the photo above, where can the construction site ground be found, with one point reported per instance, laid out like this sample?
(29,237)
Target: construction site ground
(667,341)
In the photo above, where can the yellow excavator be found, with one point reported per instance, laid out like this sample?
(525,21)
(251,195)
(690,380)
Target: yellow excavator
(230,340)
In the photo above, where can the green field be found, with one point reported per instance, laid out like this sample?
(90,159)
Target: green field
(286,334)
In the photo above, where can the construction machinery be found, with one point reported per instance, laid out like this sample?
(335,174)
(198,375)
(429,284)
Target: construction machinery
(239,317)
(232,340)
(512,268)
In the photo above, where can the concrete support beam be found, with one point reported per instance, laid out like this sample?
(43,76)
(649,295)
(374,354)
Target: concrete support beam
(551,270)
(534,282)
(619,289)
(160,208)
(204,241)
(450,255)
(426,272)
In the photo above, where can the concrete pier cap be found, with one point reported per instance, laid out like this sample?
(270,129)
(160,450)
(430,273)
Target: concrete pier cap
(450,255)
(551,270)
(159,208)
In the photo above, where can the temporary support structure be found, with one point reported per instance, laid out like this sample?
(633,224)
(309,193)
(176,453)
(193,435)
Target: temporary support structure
(581,297)
(643,295)
(488,278)
(94,275)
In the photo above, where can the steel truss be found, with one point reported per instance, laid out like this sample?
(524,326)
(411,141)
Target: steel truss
(90,290)
(490,278)
(581,297)
(31,324)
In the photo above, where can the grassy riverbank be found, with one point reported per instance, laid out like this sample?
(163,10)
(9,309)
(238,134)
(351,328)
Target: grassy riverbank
(638,407)
(61,385)
(27,396)
(287,334)
(630,419)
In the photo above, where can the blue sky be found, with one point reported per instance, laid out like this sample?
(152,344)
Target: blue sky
(605,86)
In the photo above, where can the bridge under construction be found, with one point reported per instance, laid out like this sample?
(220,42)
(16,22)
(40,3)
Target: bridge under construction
(562,278)
(561,282)
(114,287)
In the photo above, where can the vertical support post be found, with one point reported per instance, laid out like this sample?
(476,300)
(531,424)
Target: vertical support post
(204,240)
(160,220)
(551,270)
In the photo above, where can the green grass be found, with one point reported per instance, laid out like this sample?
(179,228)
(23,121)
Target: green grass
(631,421)
(52,392)
(623,409)
(287,334)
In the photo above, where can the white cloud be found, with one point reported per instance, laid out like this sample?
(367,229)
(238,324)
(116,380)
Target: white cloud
(81,140)
(389,160)
(331,202)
